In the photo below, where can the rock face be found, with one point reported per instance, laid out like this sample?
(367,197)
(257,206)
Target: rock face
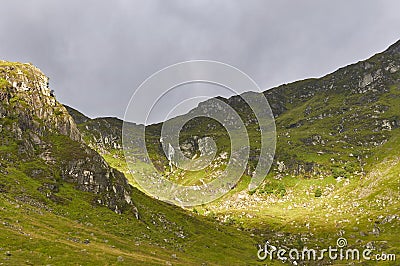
(26,88)
(42,129)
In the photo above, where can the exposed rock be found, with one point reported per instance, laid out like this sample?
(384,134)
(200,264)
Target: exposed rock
(28,96)
(390,218)
(376,230)
(367,79)
(35,118)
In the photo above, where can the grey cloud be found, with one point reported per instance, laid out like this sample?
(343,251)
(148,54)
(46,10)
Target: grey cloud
(97,52)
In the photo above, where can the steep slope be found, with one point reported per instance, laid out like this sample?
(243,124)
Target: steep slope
(105,136)
(346,114)
(61,203)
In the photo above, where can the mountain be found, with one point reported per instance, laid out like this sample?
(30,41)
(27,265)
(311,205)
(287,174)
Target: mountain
(61,203)
(319,121)
(68,197)
(336,167)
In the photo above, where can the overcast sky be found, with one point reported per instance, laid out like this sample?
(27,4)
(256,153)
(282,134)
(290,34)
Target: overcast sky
(97,52)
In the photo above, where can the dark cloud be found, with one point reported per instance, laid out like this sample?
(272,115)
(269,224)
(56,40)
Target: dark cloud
(97,52)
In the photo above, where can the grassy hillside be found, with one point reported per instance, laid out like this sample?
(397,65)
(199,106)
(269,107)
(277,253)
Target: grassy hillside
(335,171)
(68,229)
(62,204)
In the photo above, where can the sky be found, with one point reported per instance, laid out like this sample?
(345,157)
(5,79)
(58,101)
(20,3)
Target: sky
(97,52)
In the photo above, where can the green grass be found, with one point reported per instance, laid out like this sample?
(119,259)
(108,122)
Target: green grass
(4,83)
(340,174)
(41,226)
(37,230)
(316,206)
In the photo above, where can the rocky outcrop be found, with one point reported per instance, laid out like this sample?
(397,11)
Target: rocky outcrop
(92,174)
(32,119)
(25,92)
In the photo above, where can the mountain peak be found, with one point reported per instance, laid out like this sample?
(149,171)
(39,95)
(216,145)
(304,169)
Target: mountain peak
(25,92)
(24,77)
